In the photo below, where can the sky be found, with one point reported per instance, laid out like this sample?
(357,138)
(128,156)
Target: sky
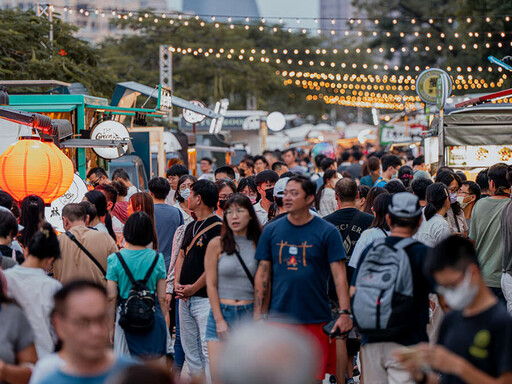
(267,8)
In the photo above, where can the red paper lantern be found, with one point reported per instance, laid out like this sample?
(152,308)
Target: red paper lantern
(31,167)
(67,170)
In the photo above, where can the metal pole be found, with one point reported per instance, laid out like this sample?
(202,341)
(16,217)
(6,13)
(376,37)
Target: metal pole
(440,137)
(50,19)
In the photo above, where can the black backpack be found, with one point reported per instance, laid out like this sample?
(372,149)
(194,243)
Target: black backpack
(138,311)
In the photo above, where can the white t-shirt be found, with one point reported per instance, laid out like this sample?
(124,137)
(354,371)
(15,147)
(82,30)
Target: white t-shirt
(45,367)
(433,231)
(366,238)
(261,213)
(328,203)
(131,191)
(33,290)
(170,199)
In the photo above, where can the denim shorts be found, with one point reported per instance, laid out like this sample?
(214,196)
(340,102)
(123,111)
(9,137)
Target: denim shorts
(233,314)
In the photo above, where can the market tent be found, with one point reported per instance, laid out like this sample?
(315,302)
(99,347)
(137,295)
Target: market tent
(481,125)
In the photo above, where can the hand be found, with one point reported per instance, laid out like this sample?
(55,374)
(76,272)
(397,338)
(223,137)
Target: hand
(442,360)
(222,329)
(168,299)
(412,359)
(344,324)
(185,291)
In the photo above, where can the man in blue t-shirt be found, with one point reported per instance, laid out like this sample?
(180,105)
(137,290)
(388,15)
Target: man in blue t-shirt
(297,252)
(81,319)
(167,218)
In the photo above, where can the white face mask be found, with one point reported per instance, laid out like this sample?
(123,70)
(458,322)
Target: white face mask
(462,295)
(185,193)
(460,200)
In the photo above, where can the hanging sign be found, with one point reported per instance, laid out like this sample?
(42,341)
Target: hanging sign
(110,130)
(164,98)
(426,84)
(192,117)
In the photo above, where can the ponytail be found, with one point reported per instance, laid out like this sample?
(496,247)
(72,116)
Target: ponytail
(436,194)
(44,243)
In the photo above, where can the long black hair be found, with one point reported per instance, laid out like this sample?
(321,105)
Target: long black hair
(405,174)
(328,175)
(372,195)
(446,177)
(248,182)
(99,200)
(32,214)
(253,229)
(44,243)
(380,210)
(436,195)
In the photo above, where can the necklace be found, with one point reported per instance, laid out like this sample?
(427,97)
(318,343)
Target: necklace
(194,232)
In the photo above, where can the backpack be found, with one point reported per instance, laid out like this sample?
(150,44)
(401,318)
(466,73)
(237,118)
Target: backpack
(137,313)
(383,300)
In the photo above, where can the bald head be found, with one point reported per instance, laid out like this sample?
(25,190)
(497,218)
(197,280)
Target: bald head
(268,354)
(346,190)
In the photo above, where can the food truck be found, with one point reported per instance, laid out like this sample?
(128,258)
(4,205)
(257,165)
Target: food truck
(472,138)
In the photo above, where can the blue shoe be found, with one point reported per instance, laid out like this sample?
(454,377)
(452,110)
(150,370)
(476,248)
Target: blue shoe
(350,381)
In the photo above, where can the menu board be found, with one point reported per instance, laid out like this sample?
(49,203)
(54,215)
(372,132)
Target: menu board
(479,155)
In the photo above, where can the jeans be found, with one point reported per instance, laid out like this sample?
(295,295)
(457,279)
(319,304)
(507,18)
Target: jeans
(233,315)
(193,319)
(179,354)
(506,287)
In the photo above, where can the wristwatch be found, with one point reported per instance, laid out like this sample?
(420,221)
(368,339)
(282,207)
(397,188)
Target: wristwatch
(344,312)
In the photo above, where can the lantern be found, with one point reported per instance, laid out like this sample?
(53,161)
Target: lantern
(67,169)
(31,167)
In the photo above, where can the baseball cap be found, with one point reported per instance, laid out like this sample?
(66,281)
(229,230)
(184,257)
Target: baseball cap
(405,205)
(280,186)
(20,227)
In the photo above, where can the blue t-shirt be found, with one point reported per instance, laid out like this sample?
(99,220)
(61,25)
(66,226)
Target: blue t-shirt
(60,377)
(167,219)
(138,263)
(301,257)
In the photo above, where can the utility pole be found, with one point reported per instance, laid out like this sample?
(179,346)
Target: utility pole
(166,69)
(45,9)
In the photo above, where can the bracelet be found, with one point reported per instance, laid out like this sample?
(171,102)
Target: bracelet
(344,312)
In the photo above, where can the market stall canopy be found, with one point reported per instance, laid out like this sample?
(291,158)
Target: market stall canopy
(129,88)
(482,125)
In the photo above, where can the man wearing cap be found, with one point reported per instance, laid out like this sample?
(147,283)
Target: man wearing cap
(404,219)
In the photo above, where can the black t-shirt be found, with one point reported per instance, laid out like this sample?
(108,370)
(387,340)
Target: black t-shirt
(350,222)
(484,340)
(422,286)
(193,264)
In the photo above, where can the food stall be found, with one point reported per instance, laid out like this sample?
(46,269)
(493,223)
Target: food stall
(474,138)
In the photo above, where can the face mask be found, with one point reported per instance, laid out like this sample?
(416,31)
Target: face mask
(462,295)
(453,198)
(460,200)
(185,193)
(269,194)
(222,204)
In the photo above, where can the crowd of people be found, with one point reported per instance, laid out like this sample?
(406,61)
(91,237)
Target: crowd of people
(282,269)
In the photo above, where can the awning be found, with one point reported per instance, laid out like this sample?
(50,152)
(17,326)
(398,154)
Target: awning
(45,107)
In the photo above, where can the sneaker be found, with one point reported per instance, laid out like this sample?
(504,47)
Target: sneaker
(332,379)
(350,381)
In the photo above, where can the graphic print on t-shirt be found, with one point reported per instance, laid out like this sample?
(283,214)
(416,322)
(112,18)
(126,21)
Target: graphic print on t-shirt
(481,342)
(293,255)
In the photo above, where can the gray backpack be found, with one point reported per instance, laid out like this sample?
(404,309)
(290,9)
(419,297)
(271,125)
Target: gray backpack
(383,299)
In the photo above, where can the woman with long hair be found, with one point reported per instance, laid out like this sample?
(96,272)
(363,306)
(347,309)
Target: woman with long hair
(405,175)
(230,268)
(33,289)
(363,194)
(372,195)
(247,186)
(226,189)
(377,230)
(182,195)
(371,171)
(435,227)
(103,221)
(32,216)
(455,215)
(325,199)
(18,353)
(142,202)
(137,260)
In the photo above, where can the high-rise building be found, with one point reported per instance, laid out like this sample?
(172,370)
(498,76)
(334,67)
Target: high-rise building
(335,9)
(93,18)
(234,8)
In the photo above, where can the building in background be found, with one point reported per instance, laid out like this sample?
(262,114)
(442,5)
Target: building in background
(335,9)
(234,8)
(93,18)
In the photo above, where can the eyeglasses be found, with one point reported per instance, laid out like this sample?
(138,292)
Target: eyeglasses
(94,183)
(225,197)
(239,211)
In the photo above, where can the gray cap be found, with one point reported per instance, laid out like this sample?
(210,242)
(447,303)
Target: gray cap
(20,227)
(280,186)
(405,205)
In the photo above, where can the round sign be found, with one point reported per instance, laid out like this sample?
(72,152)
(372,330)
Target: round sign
(110,130)
(442,91)
(276,121)
(192,117)
(74,194)
(426,84)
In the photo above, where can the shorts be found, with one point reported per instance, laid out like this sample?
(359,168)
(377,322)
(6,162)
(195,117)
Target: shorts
(326,346)
(233,314)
